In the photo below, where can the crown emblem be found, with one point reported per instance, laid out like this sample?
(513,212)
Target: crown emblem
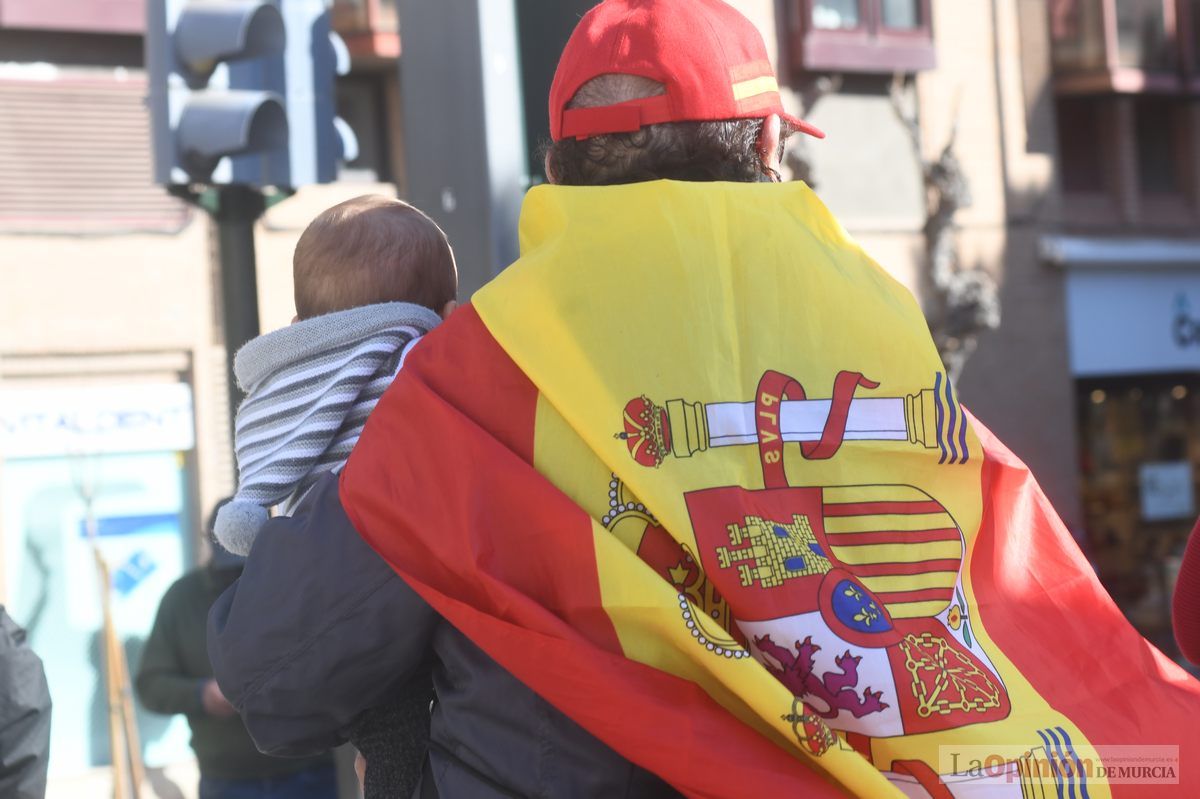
(646,431)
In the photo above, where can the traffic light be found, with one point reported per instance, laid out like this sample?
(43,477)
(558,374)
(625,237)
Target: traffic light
(242,92)
(203,111)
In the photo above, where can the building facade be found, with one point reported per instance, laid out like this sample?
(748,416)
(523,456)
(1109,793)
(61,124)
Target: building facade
(1125,79)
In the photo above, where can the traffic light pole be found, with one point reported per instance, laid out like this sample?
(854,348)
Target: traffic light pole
(237,210)
(465,161)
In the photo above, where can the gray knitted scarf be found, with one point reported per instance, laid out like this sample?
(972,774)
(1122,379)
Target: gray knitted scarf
(309,388)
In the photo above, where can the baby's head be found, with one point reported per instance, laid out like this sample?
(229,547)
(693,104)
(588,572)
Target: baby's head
(372,249)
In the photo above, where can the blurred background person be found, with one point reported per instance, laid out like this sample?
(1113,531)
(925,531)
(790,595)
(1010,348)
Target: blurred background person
(175,677)
(24,716)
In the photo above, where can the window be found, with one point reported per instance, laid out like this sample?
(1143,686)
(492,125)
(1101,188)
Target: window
(1189,23)
(835,15)
(1124,45)
(362,101)
(870,36)
(1081,132)
(1077,29)
(1143,41)
(1127,78)
(901,15)
(370,28)
(1127,160)
(1161,152)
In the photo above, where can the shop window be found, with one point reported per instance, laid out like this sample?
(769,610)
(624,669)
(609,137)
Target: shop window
(1139,462)
(870,36)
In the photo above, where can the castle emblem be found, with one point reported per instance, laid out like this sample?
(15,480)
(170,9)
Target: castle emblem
(768,553)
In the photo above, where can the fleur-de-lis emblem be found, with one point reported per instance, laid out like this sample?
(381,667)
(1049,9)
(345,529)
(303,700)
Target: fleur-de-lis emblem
(868,611)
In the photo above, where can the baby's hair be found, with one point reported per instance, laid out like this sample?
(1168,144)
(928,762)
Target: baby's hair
(372,249)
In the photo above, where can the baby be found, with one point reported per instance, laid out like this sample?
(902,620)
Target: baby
(372,275)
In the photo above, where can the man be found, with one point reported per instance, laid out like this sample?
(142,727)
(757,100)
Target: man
(24,716)
(741,590)
(491,734)
(175,677)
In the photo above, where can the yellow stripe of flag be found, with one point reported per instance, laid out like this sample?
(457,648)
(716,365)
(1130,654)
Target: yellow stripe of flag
(886,493)
(915,610)
(889,522)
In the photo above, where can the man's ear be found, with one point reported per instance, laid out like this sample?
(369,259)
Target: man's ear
(448,309)
(768,144)
(550,176)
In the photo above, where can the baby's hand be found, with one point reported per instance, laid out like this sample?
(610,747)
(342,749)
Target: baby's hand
(360,768)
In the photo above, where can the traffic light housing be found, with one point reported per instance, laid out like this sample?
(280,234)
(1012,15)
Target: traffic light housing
(315,56)
(242,92)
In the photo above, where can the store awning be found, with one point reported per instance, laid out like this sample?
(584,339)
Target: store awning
(1098,251)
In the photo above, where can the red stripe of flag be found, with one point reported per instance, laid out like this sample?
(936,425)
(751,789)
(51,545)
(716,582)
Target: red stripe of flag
(876,537)
(882,508)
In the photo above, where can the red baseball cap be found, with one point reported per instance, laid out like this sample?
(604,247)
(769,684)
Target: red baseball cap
(710,59)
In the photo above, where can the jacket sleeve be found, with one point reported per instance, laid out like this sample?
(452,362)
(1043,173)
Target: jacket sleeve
(162,684)
(317,629)
(24,716)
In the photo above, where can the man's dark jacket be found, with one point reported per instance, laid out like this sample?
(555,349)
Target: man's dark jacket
(24,716)
(174,668)
(319,629)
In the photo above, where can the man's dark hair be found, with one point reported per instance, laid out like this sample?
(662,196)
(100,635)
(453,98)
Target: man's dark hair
(696,151)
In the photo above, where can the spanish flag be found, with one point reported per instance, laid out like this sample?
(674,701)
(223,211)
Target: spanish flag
(692,470)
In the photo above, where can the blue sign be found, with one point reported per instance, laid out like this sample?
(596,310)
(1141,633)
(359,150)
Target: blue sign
(132,525)
(132,572)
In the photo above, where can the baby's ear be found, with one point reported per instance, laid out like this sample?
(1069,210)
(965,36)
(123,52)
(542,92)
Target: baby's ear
(449,309)
(295,319)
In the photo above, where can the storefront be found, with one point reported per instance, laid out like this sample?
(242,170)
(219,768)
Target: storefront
(121,451)
(1133,314)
